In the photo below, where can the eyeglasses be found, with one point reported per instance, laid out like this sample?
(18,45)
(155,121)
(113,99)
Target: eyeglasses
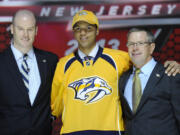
(132,44)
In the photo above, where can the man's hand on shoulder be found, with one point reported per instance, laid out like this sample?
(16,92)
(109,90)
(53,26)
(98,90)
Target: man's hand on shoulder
(172,68)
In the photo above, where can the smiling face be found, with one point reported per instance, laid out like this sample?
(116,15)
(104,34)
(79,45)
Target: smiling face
(24,30)
(140,54)
(85,34)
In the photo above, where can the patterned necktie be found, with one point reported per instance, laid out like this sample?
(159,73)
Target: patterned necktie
(25,71)
(137,92)
(87,59)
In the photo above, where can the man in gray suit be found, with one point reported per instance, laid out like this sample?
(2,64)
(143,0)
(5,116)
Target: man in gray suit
(150,99)
(26,75)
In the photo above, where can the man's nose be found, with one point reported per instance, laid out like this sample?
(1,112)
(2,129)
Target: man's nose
(83,31)
(26,33)
(135,46)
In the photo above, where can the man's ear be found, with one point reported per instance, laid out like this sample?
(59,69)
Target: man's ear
(36,30)
(153,45)
(11,29)
(97,32)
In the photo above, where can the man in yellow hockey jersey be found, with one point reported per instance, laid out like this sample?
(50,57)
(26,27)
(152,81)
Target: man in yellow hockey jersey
(85,85)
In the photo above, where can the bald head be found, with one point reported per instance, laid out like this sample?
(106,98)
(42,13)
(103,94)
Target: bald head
(24,30)
(25,15)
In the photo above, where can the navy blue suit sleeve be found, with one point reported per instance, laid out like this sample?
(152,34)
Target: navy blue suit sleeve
(175,99)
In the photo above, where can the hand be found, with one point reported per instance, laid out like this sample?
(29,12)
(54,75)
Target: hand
(53,117)
(172,68)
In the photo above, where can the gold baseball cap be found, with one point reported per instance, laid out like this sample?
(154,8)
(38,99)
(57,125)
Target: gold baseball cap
(86,16)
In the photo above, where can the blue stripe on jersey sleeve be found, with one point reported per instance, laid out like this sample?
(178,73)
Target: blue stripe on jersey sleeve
(108,59)
(68,64)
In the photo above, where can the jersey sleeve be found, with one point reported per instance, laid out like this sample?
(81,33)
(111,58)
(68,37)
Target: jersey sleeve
(57,90)
(124,62)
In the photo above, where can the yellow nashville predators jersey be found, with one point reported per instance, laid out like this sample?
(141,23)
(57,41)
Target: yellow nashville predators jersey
(85,93)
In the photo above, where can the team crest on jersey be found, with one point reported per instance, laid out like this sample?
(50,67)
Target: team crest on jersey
(86,86)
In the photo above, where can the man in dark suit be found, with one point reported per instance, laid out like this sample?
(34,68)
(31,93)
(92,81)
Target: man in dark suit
(26,75)
(149,97)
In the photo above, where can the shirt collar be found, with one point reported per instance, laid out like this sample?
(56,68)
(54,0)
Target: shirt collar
(148,67)
(92,53)
(18,55)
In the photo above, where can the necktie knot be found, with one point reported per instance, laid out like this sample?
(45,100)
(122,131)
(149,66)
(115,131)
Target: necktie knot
(25,56)
(88,58)
(137,71)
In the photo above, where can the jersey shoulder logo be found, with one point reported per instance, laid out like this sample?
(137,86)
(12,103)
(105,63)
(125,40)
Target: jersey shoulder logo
(84,87)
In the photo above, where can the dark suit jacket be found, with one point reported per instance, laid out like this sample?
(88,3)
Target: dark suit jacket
(159,110)
(17,115)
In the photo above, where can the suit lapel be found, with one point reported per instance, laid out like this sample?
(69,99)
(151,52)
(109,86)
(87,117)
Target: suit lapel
(42,65)
(12,66)
(123,80)
(122,83)
(155,77)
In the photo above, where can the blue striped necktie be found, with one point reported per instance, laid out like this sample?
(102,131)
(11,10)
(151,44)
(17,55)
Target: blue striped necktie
(25,71)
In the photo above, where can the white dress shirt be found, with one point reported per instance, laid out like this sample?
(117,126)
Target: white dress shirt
(144,75)
(34,75)
(92,53)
